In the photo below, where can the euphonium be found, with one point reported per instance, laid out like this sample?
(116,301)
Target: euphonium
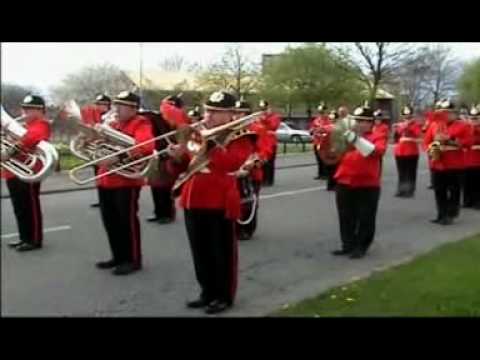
(23,162)
(333,144)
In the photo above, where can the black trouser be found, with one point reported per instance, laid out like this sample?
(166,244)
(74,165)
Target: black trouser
(331,170)
(447,186)
(407,174)
(322,171)
(163,202)
(119,209)
(269,170)
(25,199)
(250,227)
(471,191)
(357,211)
(215,253)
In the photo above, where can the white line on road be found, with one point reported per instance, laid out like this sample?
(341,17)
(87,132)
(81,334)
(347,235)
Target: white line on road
(47,230)
(294,192)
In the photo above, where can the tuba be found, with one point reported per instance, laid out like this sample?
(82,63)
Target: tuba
(24,160)
(333,144)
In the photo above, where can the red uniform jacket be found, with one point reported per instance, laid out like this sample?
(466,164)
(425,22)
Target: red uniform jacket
(452,159)
(91,115)
(357,171)
(271,122)
(141,130)
(381,129)
(216,188)
(38,129)
(408,135)
(317,123)
(472,155)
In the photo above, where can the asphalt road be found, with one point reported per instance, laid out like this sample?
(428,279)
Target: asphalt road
(288,259)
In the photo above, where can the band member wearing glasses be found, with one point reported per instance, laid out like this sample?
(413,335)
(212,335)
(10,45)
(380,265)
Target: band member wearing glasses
(26,196)
(119,195)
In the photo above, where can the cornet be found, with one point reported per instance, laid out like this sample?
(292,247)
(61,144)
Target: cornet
(22,164)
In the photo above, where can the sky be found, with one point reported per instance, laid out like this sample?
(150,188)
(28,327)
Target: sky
(43,65)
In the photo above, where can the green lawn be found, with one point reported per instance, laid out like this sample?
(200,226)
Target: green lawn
(444,282)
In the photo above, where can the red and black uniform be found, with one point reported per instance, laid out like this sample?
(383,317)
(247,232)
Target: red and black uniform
(407,137)
(211,201)
(316,124)
(119,198)
(252,183)
(358,193)
(271,121)
(26,196)
(161,181)
(472,171)
(448,170)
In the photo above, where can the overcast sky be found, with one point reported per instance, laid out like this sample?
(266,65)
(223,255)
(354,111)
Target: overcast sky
(45,64)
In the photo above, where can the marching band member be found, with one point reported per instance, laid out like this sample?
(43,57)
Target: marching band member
(358,185)
(445,141)
(161,182)
(92,114)
(331,169)
(252,171)
(119,195)
(315,126)
(271,121)
(472,173)
(380,125)
(211,202)
(25,196)
(406,151)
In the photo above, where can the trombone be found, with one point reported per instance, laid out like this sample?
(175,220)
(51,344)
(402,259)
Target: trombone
(131,165)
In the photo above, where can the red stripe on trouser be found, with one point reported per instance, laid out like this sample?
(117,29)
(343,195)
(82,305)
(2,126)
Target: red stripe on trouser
(35,232)
(134,230)
(234,270)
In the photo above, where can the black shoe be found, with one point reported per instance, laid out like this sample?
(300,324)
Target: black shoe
(27,247)
(436,221)
(109,264)
(165,220)
(216,307)
(357,254)
(243,236)
(15,243)
(153,218)
(125,269)
(317,178)
(341,252)
(197,304)
(96,205)
(467,206)
(446,221)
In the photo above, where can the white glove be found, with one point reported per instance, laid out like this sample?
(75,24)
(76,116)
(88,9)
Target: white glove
(350,136)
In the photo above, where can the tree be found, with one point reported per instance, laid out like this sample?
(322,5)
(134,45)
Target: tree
(12,96)
(469,83)
(374,62)
(84,85)
(233,72)
(443,74)
(306,75)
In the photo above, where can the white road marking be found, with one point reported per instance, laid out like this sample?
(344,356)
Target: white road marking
(47,230)
(294,192)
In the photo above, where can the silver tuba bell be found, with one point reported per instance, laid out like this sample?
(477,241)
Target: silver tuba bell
(23,161)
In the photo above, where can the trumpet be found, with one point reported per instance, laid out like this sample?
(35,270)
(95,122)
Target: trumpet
(23,162)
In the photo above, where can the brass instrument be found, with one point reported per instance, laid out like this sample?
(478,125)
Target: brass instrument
(333,144)
(23,161)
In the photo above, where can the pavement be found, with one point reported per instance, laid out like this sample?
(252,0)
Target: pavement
(287,260)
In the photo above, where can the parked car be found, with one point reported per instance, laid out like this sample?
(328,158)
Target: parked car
(291,133)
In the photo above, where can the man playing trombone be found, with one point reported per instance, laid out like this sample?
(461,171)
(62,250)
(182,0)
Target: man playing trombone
(119,194)
(25,196)
(211,200)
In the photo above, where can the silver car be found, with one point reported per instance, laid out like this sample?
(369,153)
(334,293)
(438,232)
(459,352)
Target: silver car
(292,134)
